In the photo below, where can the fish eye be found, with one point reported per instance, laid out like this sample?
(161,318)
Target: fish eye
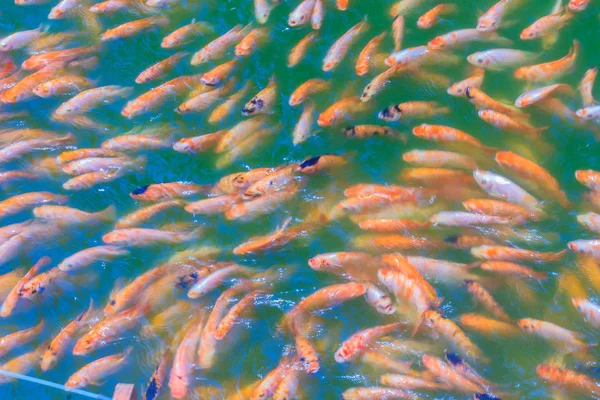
(113,302)
(479,60)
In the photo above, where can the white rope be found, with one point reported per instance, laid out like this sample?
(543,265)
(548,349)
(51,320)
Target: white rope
(53,385)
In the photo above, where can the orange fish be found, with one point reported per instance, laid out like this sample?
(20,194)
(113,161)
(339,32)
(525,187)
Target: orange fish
(552,70)
(161,68)
(342,110)
(363,63)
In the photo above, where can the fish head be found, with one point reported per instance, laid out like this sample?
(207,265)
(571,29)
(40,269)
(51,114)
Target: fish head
(84,346)
(577,302)
(319,263)
(57,13)
(49,359)
(529,33)
(479,59)
(578,5)
(526,325)
(587,113)
(326,118)
(262,12)
(421,130)
(297,17)
(425,22)
(343,354)
(139,192)
(5,45)
(574,246)
(42,90)
(487,24)
(520,74)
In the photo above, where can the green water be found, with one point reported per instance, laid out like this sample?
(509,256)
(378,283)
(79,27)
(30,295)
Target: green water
(377,160)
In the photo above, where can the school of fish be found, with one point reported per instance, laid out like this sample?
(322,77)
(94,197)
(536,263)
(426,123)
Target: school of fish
(458,216)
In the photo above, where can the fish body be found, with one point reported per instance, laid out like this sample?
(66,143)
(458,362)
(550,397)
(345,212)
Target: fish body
(551,70)
(93,374)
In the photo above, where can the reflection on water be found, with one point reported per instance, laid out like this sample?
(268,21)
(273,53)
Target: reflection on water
(208,215)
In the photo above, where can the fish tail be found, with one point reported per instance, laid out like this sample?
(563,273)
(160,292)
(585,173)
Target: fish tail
(109,214)
(418,325)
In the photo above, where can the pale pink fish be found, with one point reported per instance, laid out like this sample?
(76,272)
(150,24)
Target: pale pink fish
(216,278)
(590,113)
(439,159)
(590,247)
(578,5)
(64,8)
(303,129)
(503,188)
(535,95)
(262,10)
(20,39)
(463,36)
(84,258)
(208,342)
(218,47)
(302,13)
(183,363)
(95,372)
(500,59)
(589,310)
(92,98)
(492,18)
(462,218)
(379,300)
(458,88)
(586,86)
(409,56)
(404,7)
(318,14)
(339,49)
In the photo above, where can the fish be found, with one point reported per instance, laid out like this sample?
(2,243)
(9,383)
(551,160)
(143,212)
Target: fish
(140,237)
(578,5)
(140,216)
(458,89)
(339,49)
(92,98)
(439,159)
(157,381)
(365,131)
(186,34)
(503,188)
(22,364)
(489,327)
(486,300)
(263,102)
(65,339)
(167,191)
(318,15)
(20,338)
(589,310)
(451,333)
(302,14)
(364,393)
(534,173)
(63,215)
(57,58)
(314,165)
(447,374)
(217,48)
(94,373)
(303,129)
(408,382)
(161,68)
(22,202)
(110,329)
(508,268)
(500,59)
(568,379)
(505,253)
(462,37)
(492,19)
(551,70)
(433,16)
(342,110)
(21,39)
(233,315)
(228,107)
(355,344)
(483,101)
(253,40)
(533,96)
(412,109)
(364,58)
(552,332)
(307,89)
(84,258)
(586,86)
(179,377)
(132,28)
(546,25)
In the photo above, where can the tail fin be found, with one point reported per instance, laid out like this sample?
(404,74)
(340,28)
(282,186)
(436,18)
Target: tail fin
(109,214)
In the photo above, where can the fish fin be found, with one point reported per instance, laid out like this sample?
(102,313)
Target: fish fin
(418,325)
(549,40)
(109,214)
